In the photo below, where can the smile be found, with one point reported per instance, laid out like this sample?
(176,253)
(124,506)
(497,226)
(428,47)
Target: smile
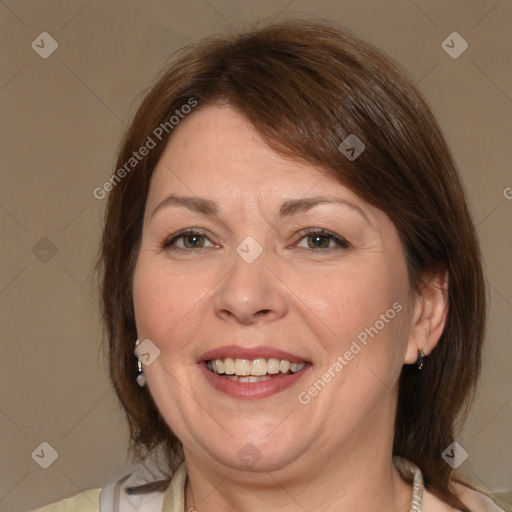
(253,370)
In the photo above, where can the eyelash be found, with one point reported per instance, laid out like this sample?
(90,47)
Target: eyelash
(342,243)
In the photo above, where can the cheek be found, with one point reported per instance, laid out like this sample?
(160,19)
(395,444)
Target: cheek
(366,312)
(150,304)
(357,302)
(162,299)
(363,353)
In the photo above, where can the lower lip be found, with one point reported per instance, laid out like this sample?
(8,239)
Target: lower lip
(252,390)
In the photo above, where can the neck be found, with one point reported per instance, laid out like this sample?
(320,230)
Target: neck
(361,478)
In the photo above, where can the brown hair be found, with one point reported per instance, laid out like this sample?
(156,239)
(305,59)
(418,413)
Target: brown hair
(305,87)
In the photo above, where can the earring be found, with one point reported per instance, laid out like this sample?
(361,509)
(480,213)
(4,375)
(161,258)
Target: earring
(420,362)
(141,378)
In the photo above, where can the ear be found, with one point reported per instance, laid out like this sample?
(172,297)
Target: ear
(430,309)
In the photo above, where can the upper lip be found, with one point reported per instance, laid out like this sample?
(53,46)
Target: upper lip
(237,352)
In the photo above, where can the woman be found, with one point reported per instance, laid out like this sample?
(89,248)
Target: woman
(288,250)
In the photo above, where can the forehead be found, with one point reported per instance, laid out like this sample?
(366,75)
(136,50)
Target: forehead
(217,147)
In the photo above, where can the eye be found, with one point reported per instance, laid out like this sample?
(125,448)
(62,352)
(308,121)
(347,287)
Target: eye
(321,239)
(196,239)
(191,239)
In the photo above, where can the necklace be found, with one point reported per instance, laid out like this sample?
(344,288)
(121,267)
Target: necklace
(193,508)
(417,491)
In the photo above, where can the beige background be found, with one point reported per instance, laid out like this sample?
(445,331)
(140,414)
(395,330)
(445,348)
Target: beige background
(62,118)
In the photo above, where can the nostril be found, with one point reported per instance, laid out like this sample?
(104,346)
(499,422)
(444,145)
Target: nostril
(262,312)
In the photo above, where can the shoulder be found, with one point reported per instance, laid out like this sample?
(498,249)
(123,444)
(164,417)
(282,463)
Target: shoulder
(113,497)
(87,501)
(478,500)
(474,499)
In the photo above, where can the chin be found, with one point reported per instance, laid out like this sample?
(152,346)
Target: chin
(249,458)
(249,453)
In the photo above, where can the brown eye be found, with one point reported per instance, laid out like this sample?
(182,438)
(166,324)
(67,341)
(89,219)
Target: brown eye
(191,239)
(321,239)
(195,240)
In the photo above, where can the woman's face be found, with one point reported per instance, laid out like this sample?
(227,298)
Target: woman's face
(285,264)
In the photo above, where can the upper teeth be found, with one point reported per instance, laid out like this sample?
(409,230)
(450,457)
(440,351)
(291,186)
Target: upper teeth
(259,366)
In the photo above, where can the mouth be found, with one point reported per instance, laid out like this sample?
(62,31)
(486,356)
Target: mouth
(254,370)
(251,373)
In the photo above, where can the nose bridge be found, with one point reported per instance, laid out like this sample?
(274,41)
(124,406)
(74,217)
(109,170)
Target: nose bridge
(250,290)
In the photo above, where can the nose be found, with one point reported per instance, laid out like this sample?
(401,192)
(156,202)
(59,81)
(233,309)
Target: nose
(250,292)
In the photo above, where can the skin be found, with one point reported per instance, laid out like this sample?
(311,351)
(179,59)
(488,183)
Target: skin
(334,453)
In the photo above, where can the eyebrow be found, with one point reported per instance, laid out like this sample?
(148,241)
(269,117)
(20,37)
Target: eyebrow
(288,208)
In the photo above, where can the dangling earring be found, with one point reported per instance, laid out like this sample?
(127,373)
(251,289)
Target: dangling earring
(141,378)
(420,362)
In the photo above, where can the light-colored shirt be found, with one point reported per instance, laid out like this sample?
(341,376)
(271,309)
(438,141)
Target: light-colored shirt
(115,498)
